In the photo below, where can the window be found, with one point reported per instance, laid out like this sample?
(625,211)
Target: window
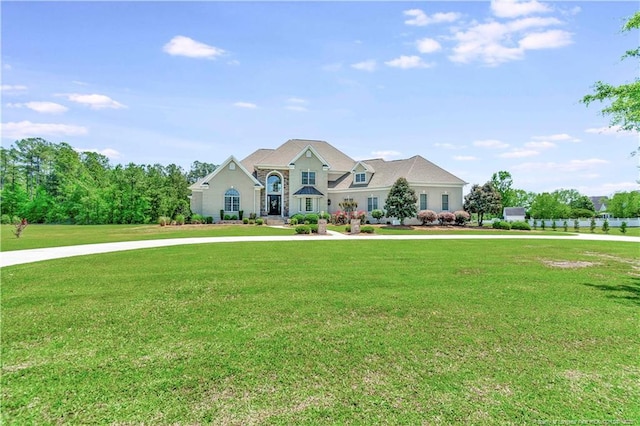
(445,202)
(274,184)
(372,203)
(361,177)
(308,178)
(231,200)
(423,201)
(308,204)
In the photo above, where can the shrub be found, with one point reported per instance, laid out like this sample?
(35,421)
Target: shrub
(576,225)
(553,224)
(360,214)
(209,220)
(367,229)
(245,221)
(578,213)
(461,217)
(197,219)
(325,216)
(252,221)
(535,223)
(377,214)
(314,228)
(605,226)
(347,228)
(427,216)
(240,214)
(311,218)
(19,227)
(446,218)
(179,219)
(293,221)
(542,225)
(501,224)
(298,217)
(592,225)
(303,229)
(623,227)
(252,216)
(565,226)
(520,225)
(234,217)
(164,220)
(339,218)
(227,217)
(259,221)
(6,219)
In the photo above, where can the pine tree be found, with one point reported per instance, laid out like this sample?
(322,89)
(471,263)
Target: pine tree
(401,201)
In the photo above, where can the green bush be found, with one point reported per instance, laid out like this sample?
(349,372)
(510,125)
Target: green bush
(367,229)
(623,227)
(576,225)
(197,219)
(234,217)
(164,221)
(5,219)
(180,219)
(501,224)
(347,228)
(303,229)
(259,221)
(521,225)
(314,228)
(592,225)
(245,221)
(293,221)
(553,225)
(311,218)
(298,217)
(605,226)
(209,219)
(226,217)
(377,214)
(325,216)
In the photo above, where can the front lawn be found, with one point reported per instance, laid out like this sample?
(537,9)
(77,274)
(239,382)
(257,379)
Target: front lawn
(326,332)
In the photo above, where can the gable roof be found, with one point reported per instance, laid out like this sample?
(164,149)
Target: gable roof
(307,148)
(199,185)
(417,170)
(597,202)
(513,211)
(288,151)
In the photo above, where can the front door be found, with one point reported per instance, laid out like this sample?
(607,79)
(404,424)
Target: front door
(274,204)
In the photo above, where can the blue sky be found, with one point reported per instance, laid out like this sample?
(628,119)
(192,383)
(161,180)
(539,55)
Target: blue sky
(476,87)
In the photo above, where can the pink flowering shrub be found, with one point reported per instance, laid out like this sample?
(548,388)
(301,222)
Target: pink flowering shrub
(339,218)
(427,216)
(462,217)
(446,218)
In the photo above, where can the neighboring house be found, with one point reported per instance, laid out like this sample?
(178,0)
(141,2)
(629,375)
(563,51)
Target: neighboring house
(308,176)
(512,214)
(600,205)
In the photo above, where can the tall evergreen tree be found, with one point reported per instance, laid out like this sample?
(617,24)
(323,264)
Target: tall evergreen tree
(401,201)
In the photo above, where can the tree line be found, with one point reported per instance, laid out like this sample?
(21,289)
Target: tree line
(47,182)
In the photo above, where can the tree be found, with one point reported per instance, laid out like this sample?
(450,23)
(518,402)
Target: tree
(401,201)
(483,200)
(624,100)
(625,204)
(548,206)
(199,170)
(502,182)
(522,198)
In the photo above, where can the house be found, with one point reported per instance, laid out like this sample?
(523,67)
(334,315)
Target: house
(513,214)
(310,176)
(599,205)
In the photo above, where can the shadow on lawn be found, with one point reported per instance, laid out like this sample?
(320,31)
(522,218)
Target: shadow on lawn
(630,292)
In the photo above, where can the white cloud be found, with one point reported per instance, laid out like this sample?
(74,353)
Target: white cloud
(420,19)
(12,88)
(611,130)
(110,153)
(185,46)
(406,62)
(387,155)
(546,40)
(27,129)
(43,107)
(491,144)
(514,8)
(540,145)
(519,153)
(95,101)
(558,137)
(465,158)
(496,42)
(369,65)
(428,45)
(247,105)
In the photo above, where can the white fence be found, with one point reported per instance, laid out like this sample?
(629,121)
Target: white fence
(633,222)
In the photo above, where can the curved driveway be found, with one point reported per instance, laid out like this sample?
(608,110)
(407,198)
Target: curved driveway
(18,257)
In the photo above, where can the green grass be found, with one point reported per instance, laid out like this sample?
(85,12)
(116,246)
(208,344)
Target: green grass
(325,332)
(40,236)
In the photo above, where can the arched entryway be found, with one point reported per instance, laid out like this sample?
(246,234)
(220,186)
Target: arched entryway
(274,194)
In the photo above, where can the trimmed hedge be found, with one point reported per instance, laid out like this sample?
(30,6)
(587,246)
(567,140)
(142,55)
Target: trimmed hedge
(521,226)
(501,225)
(303,229)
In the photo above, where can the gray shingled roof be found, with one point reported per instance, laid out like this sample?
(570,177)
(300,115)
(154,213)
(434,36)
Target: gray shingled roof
(281,156)
(308,190)
(415,169)
(514,211)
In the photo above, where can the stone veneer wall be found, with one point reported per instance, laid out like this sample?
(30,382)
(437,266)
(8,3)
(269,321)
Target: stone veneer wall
(261,175)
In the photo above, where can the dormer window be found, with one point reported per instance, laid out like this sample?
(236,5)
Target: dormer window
(361,177)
